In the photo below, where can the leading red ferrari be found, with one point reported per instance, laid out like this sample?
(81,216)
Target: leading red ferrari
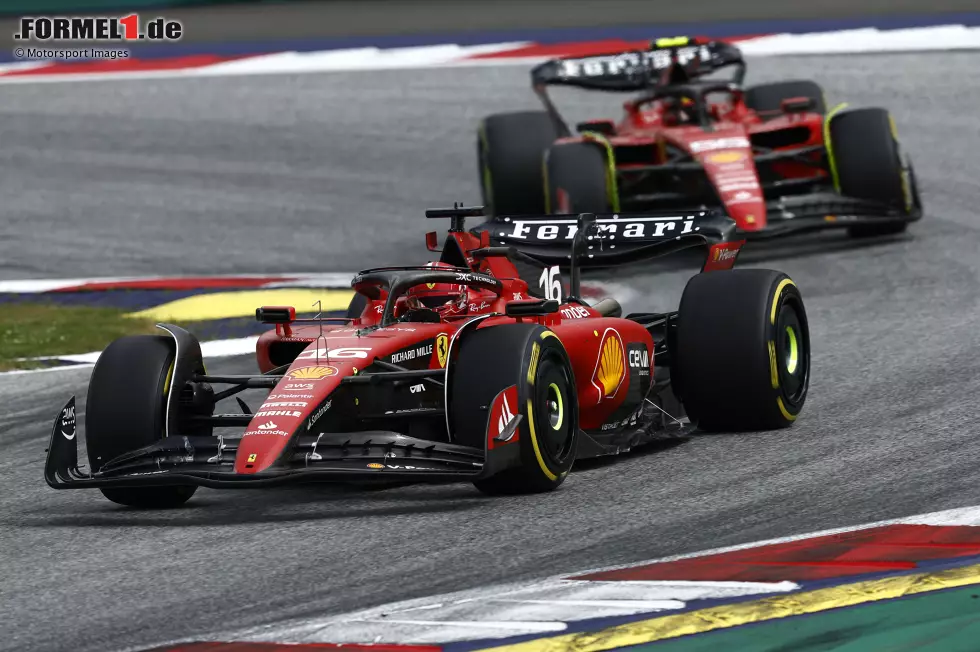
(453,371)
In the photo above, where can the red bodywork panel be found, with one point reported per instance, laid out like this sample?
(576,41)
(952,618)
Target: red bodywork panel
(725,152)
(606,355)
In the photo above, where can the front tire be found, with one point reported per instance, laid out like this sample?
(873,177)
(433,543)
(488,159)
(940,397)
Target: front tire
(510,147)
(577,180)
(867,160)
(531,357)
(126,410)
(743,350)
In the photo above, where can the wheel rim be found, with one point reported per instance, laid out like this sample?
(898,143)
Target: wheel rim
(792,352)
(556,407)
(551,398)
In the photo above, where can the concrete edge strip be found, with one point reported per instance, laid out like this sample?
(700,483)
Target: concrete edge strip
(442,619)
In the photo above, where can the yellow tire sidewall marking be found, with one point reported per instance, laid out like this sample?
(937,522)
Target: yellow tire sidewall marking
(829,145)
(775,298)
(534,443)
(773,370)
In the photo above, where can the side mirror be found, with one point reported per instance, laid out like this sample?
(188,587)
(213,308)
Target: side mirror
(796,104)
(432,241)
(275,314)
(281,316)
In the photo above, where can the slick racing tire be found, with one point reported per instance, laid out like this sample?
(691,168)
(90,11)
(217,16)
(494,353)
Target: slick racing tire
(743,350)
(576,178)
(768,98)
(531,357)
(510,147)
(866,159)
(126,410)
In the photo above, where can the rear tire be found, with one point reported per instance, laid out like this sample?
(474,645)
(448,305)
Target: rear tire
(576,179)
(868,161)
(510,147)
(496,358)
(769,97)
(126,410)
(743,350)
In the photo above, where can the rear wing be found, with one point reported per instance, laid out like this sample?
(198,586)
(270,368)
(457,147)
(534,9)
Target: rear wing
(612,238)
(638,69)
(548,242)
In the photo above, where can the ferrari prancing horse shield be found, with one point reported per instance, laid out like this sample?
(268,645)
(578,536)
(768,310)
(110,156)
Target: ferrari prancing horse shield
(442,348)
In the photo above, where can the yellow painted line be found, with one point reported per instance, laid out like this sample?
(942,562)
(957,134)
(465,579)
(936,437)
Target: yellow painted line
(733,615)
(224,305)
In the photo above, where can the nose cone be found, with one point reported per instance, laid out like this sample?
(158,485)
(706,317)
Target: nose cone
(733,174)
(282,415)
(749,213)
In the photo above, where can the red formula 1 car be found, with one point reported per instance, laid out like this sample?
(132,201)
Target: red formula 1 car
(453,371)
(770,156)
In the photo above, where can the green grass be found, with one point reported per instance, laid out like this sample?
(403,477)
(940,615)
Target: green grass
(39,329)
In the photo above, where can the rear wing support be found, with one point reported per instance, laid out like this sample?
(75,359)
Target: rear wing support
(586,231)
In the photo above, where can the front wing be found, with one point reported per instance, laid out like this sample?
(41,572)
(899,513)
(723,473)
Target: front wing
(208,461)
(820,211)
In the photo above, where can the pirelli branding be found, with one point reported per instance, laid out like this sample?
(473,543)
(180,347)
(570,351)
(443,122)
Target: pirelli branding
(615,227)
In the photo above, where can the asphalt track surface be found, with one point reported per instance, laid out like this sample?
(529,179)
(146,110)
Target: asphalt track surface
(331,172)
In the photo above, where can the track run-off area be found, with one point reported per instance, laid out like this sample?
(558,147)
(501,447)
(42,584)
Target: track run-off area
(326,172)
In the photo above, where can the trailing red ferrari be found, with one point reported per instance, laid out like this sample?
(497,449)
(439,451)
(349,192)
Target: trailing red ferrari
(459,370)
(772,157)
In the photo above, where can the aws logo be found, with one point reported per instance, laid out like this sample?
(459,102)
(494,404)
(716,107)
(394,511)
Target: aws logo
(312,373)
(610,368)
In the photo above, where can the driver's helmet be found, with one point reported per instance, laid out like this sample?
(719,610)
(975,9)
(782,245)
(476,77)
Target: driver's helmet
(681,110)
(441,297)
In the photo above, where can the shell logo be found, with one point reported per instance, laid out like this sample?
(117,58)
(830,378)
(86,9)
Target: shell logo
(375,465)
(312,373)
(726,157)
(610,368)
